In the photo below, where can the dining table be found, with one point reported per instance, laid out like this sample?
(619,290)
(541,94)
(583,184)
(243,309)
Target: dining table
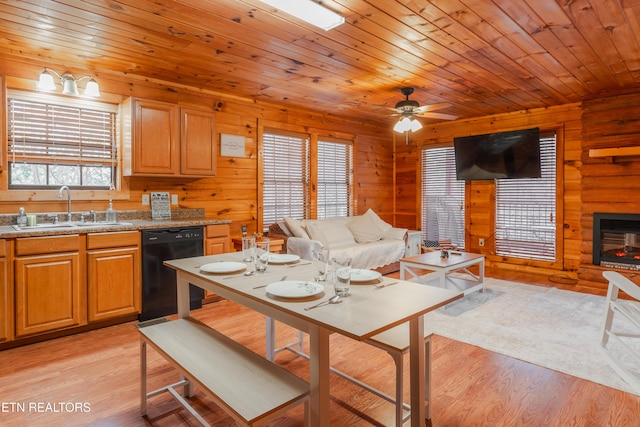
(368,310)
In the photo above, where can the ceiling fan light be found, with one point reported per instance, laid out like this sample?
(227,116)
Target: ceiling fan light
(309,11)
(415,125)
(46,82)
(403,125)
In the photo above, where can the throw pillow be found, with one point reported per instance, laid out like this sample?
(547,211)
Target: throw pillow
(379,222)
(336,232)
(295,227)
(315,233)
(368,227)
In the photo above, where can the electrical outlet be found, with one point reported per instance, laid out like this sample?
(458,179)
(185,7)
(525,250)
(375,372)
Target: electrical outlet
(145,200)
(174,199)
(481,242)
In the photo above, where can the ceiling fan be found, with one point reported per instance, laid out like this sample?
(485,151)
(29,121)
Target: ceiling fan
(409,110)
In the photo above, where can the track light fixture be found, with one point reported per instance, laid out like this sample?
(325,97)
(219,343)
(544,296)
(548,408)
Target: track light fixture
(69,83)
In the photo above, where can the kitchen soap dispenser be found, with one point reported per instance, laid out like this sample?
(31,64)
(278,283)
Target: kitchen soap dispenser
(111,213)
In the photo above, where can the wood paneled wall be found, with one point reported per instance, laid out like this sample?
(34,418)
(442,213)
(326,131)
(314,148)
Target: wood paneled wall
(609,185)
(387,169)
(232,194)
(566,120)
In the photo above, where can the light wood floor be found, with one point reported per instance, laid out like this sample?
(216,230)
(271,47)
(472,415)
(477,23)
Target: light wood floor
(92,379)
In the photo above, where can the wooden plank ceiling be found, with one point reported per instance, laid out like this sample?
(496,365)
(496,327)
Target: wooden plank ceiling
(481,56)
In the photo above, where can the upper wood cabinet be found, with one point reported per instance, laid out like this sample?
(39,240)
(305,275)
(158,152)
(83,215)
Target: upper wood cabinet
(3,123)
(162,139)
(198,143)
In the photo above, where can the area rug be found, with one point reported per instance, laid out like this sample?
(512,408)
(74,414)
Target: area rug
(549,327)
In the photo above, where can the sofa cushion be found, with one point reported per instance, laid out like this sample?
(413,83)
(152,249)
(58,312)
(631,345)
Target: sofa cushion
(395,234)
(372,255)
(368,227)
(315,232)
(295,227)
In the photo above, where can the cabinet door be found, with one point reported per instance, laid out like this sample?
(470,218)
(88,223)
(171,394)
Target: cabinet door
(155,139)
(6,300)
(198,153)
(113,280)
(48,293)
(3,147)
(217,239)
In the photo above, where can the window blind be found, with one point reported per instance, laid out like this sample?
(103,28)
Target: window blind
(526,210)
(51,145)
(66,134)
(443,198)
(335,179)
(285,176)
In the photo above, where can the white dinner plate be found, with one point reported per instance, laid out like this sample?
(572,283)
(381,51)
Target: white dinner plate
(282,258)
(359,275)
(223,267)
(295,289)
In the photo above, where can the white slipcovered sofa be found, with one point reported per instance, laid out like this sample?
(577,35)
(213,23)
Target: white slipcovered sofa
(370,242)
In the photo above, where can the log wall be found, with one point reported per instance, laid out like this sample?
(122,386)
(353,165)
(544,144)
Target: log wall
(566,120)
(609,184)
(387,170)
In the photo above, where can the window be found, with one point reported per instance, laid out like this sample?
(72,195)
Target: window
(50,145)
(288,177)
(285,177)
(526,210)
(443,198)
(335,176)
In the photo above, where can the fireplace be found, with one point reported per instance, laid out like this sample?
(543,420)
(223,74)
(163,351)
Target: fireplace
(616,240)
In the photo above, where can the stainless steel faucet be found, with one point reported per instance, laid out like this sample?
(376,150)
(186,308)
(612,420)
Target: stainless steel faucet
(63,188)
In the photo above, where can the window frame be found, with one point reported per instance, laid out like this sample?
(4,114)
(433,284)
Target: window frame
(558,179)
(31,194)
(266,127)
(460,242)
(347,180)
(266,175)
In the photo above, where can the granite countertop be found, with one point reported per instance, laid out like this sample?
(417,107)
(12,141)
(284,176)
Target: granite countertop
(127,221)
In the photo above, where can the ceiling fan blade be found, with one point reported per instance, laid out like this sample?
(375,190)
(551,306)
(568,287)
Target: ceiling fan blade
(441,116)
(432,107)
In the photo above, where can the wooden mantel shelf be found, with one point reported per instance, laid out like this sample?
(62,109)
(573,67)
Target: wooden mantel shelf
(612,153)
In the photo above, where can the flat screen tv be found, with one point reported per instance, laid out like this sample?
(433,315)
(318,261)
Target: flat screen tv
(514,154)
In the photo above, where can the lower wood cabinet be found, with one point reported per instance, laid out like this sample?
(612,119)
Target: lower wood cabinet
(217,239)
(49,292)
(113,275)
(6,296)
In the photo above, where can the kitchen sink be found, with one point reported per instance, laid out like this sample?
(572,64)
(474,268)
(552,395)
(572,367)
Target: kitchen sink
(101,224)
(67,225)
(43,226)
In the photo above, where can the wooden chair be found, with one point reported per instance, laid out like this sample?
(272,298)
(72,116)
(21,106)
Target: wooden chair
(629,310)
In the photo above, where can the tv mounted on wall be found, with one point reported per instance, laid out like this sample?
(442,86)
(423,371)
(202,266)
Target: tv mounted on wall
(514,154)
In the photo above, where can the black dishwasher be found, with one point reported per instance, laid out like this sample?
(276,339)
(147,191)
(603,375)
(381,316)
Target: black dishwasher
(159,295)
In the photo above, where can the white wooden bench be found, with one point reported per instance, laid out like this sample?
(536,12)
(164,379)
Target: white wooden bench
(395,341)
(247,386)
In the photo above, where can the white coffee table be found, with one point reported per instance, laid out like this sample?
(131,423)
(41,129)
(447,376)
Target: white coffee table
(441,268)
